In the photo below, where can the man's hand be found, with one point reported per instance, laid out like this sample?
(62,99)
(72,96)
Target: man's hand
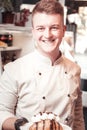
(20,122)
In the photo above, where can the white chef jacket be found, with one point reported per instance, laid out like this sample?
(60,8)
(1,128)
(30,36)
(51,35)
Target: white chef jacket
(31,84)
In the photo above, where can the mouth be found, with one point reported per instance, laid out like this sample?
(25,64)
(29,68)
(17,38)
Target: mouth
(49,41)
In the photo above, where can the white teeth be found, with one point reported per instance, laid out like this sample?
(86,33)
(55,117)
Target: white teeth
(48,41)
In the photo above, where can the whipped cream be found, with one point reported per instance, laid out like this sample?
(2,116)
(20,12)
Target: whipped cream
(44,116)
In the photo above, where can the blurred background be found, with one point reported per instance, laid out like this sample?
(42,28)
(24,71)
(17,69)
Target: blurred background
(16,37)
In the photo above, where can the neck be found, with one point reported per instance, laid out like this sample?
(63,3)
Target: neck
(53,56)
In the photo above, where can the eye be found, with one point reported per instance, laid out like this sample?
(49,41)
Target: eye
(40,29)
(55,28)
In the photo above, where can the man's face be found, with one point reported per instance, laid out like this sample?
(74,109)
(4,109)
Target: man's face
(48,31)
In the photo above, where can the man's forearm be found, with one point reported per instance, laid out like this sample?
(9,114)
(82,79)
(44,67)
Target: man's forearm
(9,124)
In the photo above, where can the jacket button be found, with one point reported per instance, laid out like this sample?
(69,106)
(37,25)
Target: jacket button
(39,73)
(68,95)
(65,72)
(43,97)
(67,119)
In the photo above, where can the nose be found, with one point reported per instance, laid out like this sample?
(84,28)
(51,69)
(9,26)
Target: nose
(47,33)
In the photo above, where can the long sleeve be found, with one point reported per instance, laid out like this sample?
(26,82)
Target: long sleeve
(7,98)
(79,120)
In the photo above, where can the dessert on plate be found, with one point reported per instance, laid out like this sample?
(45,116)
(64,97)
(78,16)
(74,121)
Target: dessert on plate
(45,122)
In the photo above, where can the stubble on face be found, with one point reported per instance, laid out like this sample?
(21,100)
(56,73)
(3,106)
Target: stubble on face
(48,43)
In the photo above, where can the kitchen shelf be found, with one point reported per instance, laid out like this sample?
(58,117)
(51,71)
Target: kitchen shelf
(13,28)
(7,49)
(11,48)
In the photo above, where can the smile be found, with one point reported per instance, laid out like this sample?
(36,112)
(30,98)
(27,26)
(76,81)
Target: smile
(48,41)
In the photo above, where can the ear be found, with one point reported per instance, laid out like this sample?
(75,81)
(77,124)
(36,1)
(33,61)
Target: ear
(64,29)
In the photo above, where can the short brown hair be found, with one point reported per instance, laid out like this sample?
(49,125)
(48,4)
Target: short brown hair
(48,7)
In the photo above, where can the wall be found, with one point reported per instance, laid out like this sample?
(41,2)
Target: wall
(24,41)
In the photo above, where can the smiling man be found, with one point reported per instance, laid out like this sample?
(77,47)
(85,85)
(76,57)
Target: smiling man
(42,81)
(48,31)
